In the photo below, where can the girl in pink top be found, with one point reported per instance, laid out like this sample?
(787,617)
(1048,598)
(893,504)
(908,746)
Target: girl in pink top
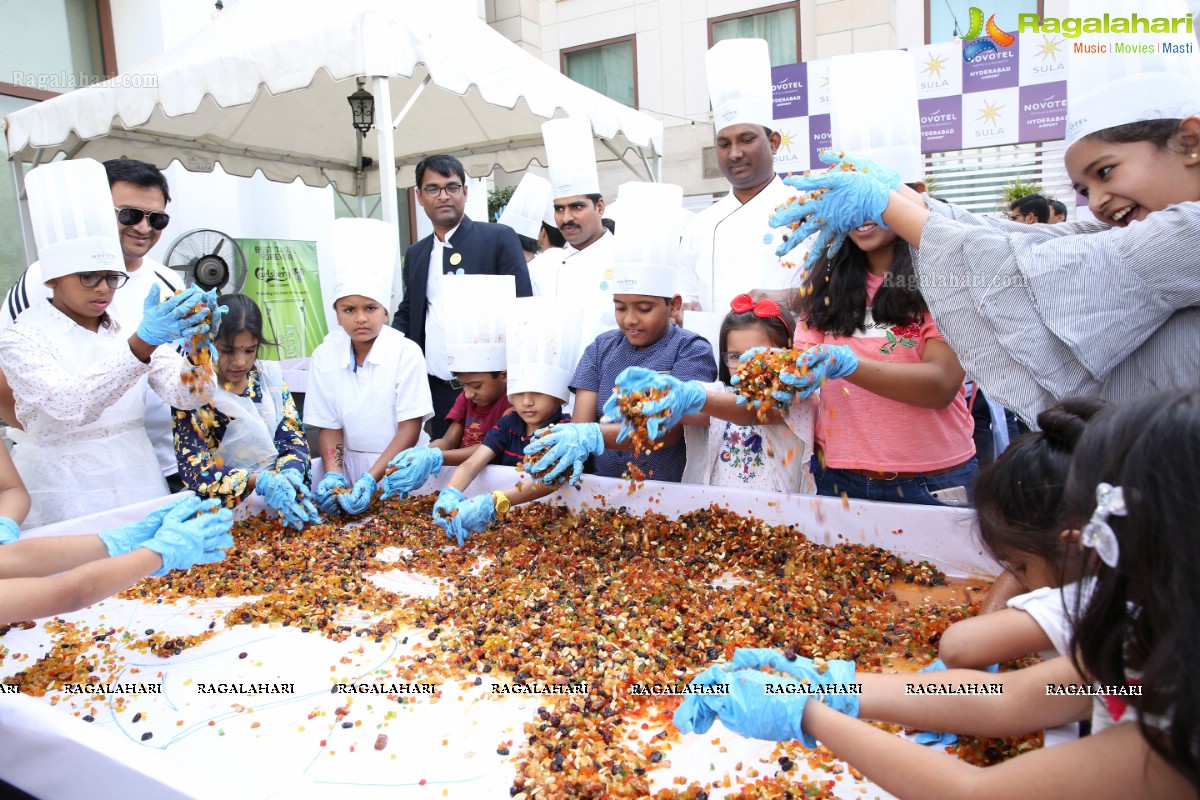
(893,422)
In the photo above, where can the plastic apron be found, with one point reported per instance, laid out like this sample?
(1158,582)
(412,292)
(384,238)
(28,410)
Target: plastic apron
(249,440)
(71,470)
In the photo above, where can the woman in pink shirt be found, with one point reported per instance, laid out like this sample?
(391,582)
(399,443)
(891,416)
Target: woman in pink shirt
(893,421)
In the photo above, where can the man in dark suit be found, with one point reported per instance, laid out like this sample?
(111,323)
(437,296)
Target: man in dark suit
(457,245)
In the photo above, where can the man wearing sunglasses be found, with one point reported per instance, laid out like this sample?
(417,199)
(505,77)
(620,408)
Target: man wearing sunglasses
(139,197)
(459,245)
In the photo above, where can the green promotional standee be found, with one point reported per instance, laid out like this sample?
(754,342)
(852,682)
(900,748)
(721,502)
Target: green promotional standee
(283,279)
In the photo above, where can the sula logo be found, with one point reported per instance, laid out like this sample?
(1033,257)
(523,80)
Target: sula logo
(995,36)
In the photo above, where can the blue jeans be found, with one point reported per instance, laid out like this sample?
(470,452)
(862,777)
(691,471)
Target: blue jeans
(832,482)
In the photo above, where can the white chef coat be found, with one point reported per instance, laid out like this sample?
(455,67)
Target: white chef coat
(582,278)
(729,249)
(367,403)
(126,308)
(81,399)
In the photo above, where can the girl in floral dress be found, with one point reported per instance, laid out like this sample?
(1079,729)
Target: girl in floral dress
(726,443)
(897,427)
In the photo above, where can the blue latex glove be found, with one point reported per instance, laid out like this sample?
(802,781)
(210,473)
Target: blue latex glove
(194,531)
(286,492)
(683,398)
(747,708)
(837,673)
(781,397)
(473,516)
(850,199)
(410,469)
(10,531)
(327,501)
(445,508)
(929,738)
(824,362)
(132,536)
(357,499)
(569,445)
(172,319)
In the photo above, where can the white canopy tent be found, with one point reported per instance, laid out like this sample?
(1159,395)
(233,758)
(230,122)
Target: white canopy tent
(265,88)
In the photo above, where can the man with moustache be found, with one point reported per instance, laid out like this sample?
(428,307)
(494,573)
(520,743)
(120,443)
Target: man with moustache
(459,245)
(581,272)
(728,248)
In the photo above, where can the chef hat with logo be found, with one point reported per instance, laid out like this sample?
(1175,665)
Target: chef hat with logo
(646,254)
(542,341)
(74,225)
(364,259)
(739,83)
(874,110)
(1107,89)
(571,153)
(528,205)
(476,312)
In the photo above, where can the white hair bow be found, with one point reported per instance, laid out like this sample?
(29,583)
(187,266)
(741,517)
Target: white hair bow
(1097,533)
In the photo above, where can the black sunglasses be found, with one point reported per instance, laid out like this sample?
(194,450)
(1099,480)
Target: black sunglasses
(91,280)
(132,216)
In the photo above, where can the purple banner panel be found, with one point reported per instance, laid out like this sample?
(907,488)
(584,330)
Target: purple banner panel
(941,123)
(789,85)
(820,137)
(1043,112)
(996,68)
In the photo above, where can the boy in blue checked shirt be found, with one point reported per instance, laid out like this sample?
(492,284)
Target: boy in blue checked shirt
(644,280)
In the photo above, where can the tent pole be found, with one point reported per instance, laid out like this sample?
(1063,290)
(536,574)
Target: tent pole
(360,178)
(619,156)
(652,174)
(18,180)
(385,138)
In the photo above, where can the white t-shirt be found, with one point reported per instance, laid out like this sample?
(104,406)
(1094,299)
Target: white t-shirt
(126,308)
(1051,608)
(367,403)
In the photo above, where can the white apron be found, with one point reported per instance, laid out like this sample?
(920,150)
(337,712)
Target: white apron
(249,440)
(73,470)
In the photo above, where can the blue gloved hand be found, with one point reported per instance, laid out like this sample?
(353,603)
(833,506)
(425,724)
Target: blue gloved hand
(854,192)
(473,516)
(327,494)
(929,738)
(173,318)
(410,469)
(194,531)
(357,499)
(682,398)
(10,531)
(818,364)
(445,508)
(286,492)
(837,673)
(781,397)
(569,445)
(133,535)
(747,708)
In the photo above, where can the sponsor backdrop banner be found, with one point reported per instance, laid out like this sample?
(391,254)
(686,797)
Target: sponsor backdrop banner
(283,280)
(1003,96)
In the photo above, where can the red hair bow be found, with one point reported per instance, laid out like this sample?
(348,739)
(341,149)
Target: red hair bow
(764,309)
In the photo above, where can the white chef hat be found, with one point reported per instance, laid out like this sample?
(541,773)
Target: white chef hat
(1105,90)
(542,340)
(739,83)
(571,153)
(874,113)
(364,259)
(646,254)
(527,207)
(74,225)
(476,313)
